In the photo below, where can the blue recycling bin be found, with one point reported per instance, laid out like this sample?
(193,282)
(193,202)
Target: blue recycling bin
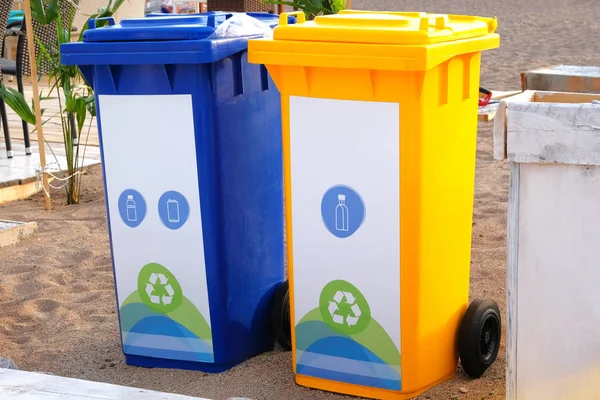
(191,144)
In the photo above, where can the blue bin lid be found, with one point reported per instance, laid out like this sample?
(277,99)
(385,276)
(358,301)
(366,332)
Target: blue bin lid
(169,27)
(164,39)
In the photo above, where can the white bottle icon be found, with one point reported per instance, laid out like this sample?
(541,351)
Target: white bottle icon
(173,211)
(341,214)
(131,209)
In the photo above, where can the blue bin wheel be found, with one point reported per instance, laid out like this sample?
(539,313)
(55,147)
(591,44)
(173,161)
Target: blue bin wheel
(281,316)
(479,337)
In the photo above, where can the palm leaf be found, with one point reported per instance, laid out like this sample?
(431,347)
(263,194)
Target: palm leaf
(16,101)
(44,11)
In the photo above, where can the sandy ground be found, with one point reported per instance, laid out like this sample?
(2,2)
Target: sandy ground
(57,305)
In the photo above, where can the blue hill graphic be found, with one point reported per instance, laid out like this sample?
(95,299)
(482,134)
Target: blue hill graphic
(147,333)
(368,358)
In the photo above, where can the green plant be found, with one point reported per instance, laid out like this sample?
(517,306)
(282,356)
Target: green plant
(75,96)
(312,8)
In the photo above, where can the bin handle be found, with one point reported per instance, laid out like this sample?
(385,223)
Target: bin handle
(300,17)
(439,20)
(492,24)
(92,21)
(212,19)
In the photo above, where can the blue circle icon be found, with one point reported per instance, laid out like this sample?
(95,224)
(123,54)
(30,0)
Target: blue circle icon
(132,208)
(173,209)
(342,210)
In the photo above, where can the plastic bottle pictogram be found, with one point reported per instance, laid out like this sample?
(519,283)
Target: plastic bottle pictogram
(341,214)
(131,209)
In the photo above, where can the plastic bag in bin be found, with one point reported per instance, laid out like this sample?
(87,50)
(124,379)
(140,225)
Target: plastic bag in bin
(240,25)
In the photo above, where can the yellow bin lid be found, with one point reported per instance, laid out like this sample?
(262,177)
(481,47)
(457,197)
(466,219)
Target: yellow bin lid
(370,39)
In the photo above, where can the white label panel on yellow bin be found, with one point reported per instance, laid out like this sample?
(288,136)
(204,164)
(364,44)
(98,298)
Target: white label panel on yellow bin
(153,196)
(345,177)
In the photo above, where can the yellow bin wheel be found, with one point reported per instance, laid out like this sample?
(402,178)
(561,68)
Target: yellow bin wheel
(479,337)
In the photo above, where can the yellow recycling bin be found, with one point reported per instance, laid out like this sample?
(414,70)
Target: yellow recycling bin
(379,116)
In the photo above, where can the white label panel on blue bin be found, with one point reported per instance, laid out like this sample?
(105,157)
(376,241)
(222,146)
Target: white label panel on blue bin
(151,175)
(345,177)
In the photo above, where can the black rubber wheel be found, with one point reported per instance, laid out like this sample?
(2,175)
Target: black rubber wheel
(281,316)
(479,337)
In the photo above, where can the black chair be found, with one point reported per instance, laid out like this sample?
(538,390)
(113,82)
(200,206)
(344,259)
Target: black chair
(5,9)
(20,67)
(4,119)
